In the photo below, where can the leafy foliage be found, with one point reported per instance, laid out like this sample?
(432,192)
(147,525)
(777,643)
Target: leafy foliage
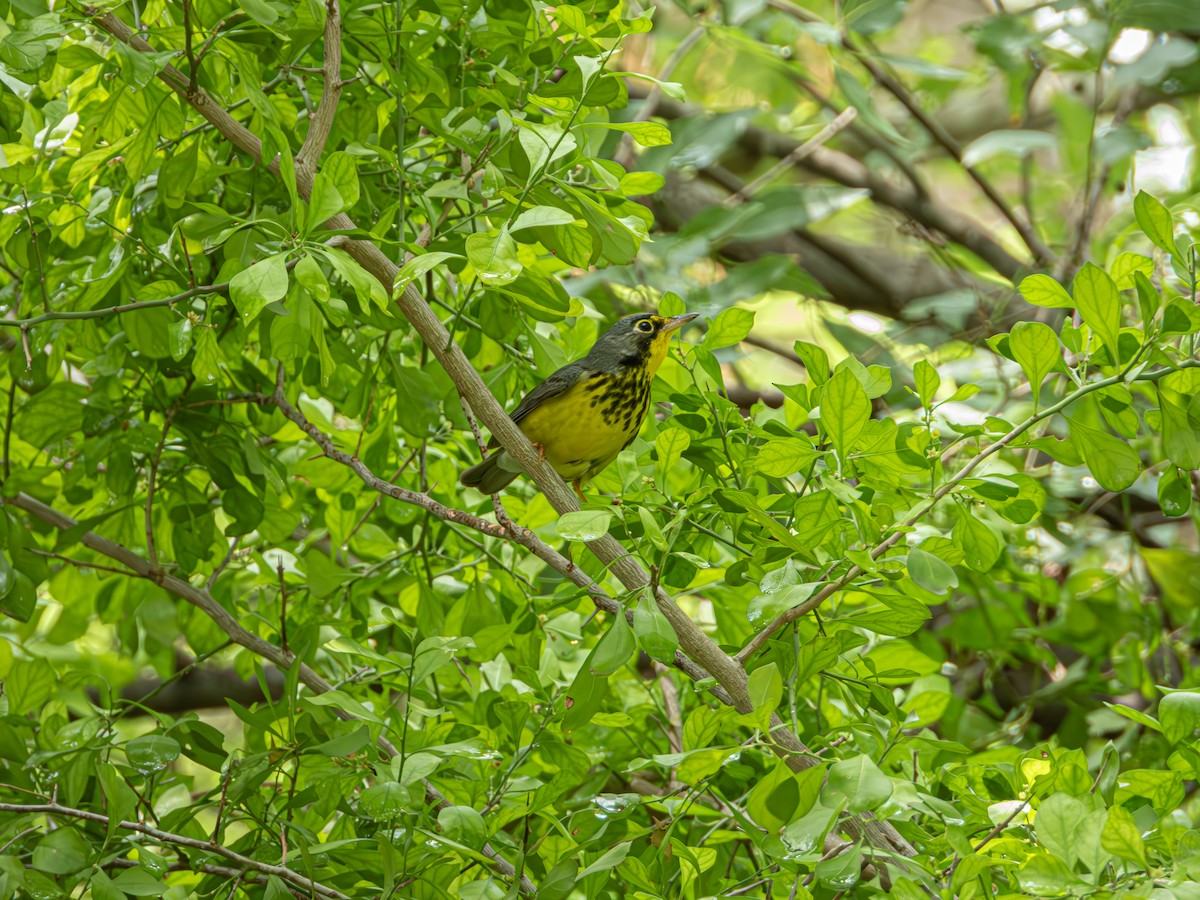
(956,560)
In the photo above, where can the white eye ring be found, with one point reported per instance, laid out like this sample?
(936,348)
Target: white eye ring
(645,325)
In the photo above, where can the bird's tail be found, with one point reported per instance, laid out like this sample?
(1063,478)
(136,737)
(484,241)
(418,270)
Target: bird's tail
(490,476)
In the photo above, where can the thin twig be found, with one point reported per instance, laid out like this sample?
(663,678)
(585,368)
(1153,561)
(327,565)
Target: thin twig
(105,311)
(801,153)
(698,652)
(760,639)
(1041,253)
(282,872)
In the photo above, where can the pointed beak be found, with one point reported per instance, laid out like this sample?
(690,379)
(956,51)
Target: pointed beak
(677,322)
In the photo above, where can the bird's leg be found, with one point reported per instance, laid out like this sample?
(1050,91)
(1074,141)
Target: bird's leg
(579,491)
(541,452)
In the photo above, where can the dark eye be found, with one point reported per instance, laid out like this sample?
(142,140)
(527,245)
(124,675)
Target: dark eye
(645,326)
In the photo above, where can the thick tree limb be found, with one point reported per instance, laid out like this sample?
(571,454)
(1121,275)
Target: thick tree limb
(692,640)
(321,122)
(850,172)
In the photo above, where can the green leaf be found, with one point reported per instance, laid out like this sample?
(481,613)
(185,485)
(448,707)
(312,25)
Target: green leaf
(1042,290)
(584,525)
(648,134)
(654,632)
(260,10)
(1059,817)
(728,327)
(980,545)
(774,800)
(815,360)
(61,852)
(845,410)
(1121,836)
(264,282)
(544,216)
(325,201)
(119,798)
(765,686)
(1037,350)
(1113,463)
(29,684)
(464,825)
(494,257)
(651,530)
(418,266)
(18,595)
(1155,221)
(670,444)
(1134,715)
(610,859)
(152,752)
(1126,267)
(1179,714)
(783,457)
(1175,492)
(341,171)
(859,781)
(1007,142)
(1180,426)
(927,382)
(614,649)
(366,287)
(383,801)
(1149,300)
(583,698)
(930,572)
(1099,303)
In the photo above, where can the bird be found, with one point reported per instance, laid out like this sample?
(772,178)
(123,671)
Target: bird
(590,410)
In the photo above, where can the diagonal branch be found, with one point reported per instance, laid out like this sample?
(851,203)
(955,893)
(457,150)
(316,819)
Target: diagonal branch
(291,876)
(759,640)
(844,169)
(227,623)
(513,532)
(1042,254)
(692,640)
(321,122)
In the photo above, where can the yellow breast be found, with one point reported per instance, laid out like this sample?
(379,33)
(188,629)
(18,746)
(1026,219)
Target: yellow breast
(583,429)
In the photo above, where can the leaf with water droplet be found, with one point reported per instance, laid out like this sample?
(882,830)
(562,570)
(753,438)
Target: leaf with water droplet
(584,524)
(494,257)
(152,752)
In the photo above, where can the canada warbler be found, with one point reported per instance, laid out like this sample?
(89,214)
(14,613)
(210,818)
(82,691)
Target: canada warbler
(590,410)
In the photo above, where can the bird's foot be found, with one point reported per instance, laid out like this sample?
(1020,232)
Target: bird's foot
(541,452)
(579,492)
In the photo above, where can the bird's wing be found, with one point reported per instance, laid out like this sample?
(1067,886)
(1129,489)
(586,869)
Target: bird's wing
(556,384)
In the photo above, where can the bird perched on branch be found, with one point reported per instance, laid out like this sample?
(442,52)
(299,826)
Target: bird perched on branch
(590,410)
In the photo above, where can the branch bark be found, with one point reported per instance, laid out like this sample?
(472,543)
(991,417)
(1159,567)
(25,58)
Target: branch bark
(844,169)
(692,640)
(321,123)
(291,876)
(204,601)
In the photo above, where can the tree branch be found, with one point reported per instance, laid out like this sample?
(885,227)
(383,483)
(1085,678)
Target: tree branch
(104,311)
(291,876)
(321,122)
(227,623)
(759,640)
(692,640)
(850,172)
(1042,254)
